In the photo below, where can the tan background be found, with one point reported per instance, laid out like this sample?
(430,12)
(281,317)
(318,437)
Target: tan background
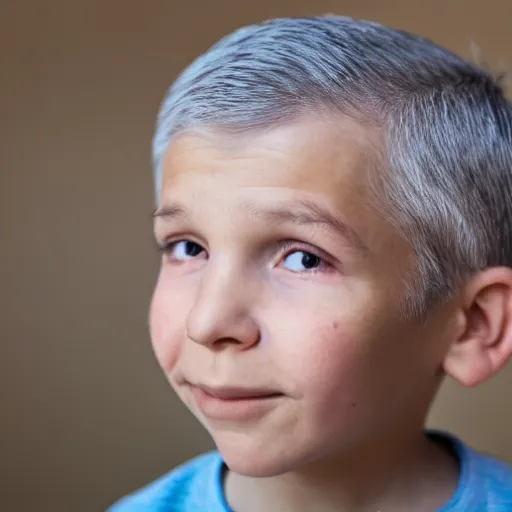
(86,415)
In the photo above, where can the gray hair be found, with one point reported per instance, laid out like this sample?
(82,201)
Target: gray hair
(446,123)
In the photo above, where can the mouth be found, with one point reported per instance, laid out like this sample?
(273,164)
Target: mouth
(234,403)
(238,393)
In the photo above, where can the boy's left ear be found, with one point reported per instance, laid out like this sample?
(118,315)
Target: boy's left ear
(484,342)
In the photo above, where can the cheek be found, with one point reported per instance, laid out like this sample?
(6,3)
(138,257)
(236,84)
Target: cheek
(350,372)
(166,325)
(331,359)
(321,355)
(330,362)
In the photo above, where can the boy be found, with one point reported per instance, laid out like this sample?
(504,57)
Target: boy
(334,209)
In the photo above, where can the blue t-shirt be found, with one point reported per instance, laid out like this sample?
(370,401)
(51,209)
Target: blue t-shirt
(485,485)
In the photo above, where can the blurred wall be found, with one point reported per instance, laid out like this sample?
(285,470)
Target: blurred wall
(87,416)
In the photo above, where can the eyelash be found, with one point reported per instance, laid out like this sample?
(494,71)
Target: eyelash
(167,246)
(290,246)
(286,248)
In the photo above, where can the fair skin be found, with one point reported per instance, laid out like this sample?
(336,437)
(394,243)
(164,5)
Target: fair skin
(309,311)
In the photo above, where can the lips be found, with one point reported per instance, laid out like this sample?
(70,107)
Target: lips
(238,393)
(235,404)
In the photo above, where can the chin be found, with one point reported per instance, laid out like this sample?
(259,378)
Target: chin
(255,466)
(249,457)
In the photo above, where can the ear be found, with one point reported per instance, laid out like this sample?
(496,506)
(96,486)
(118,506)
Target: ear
(484,342)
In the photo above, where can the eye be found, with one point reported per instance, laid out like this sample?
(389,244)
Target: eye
(300,261)
(183,250)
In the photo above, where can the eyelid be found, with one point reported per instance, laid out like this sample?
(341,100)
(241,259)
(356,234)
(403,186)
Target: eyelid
(168,242)
(289,246)
(167,251)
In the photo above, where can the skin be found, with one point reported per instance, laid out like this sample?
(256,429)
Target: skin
(356,377)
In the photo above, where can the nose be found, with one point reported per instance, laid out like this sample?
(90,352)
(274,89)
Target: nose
(221,313)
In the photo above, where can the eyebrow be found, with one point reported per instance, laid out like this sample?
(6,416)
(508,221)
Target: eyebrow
(299,212)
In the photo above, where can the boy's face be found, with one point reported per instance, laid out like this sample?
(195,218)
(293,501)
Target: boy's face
(281,278)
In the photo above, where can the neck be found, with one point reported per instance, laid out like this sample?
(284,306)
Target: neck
(398,473)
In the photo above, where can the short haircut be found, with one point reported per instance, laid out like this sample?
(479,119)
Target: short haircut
(446,124)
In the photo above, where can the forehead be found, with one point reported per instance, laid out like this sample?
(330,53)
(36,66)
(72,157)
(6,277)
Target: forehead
(310,156)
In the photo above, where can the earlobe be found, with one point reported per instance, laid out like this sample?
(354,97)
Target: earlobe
(484,342)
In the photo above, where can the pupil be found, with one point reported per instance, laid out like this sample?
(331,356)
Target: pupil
(192,249)
(310,260)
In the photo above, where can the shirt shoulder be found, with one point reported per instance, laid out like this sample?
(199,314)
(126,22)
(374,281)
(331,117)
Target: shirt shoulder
(495,477)
(485,483)
(192,487)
